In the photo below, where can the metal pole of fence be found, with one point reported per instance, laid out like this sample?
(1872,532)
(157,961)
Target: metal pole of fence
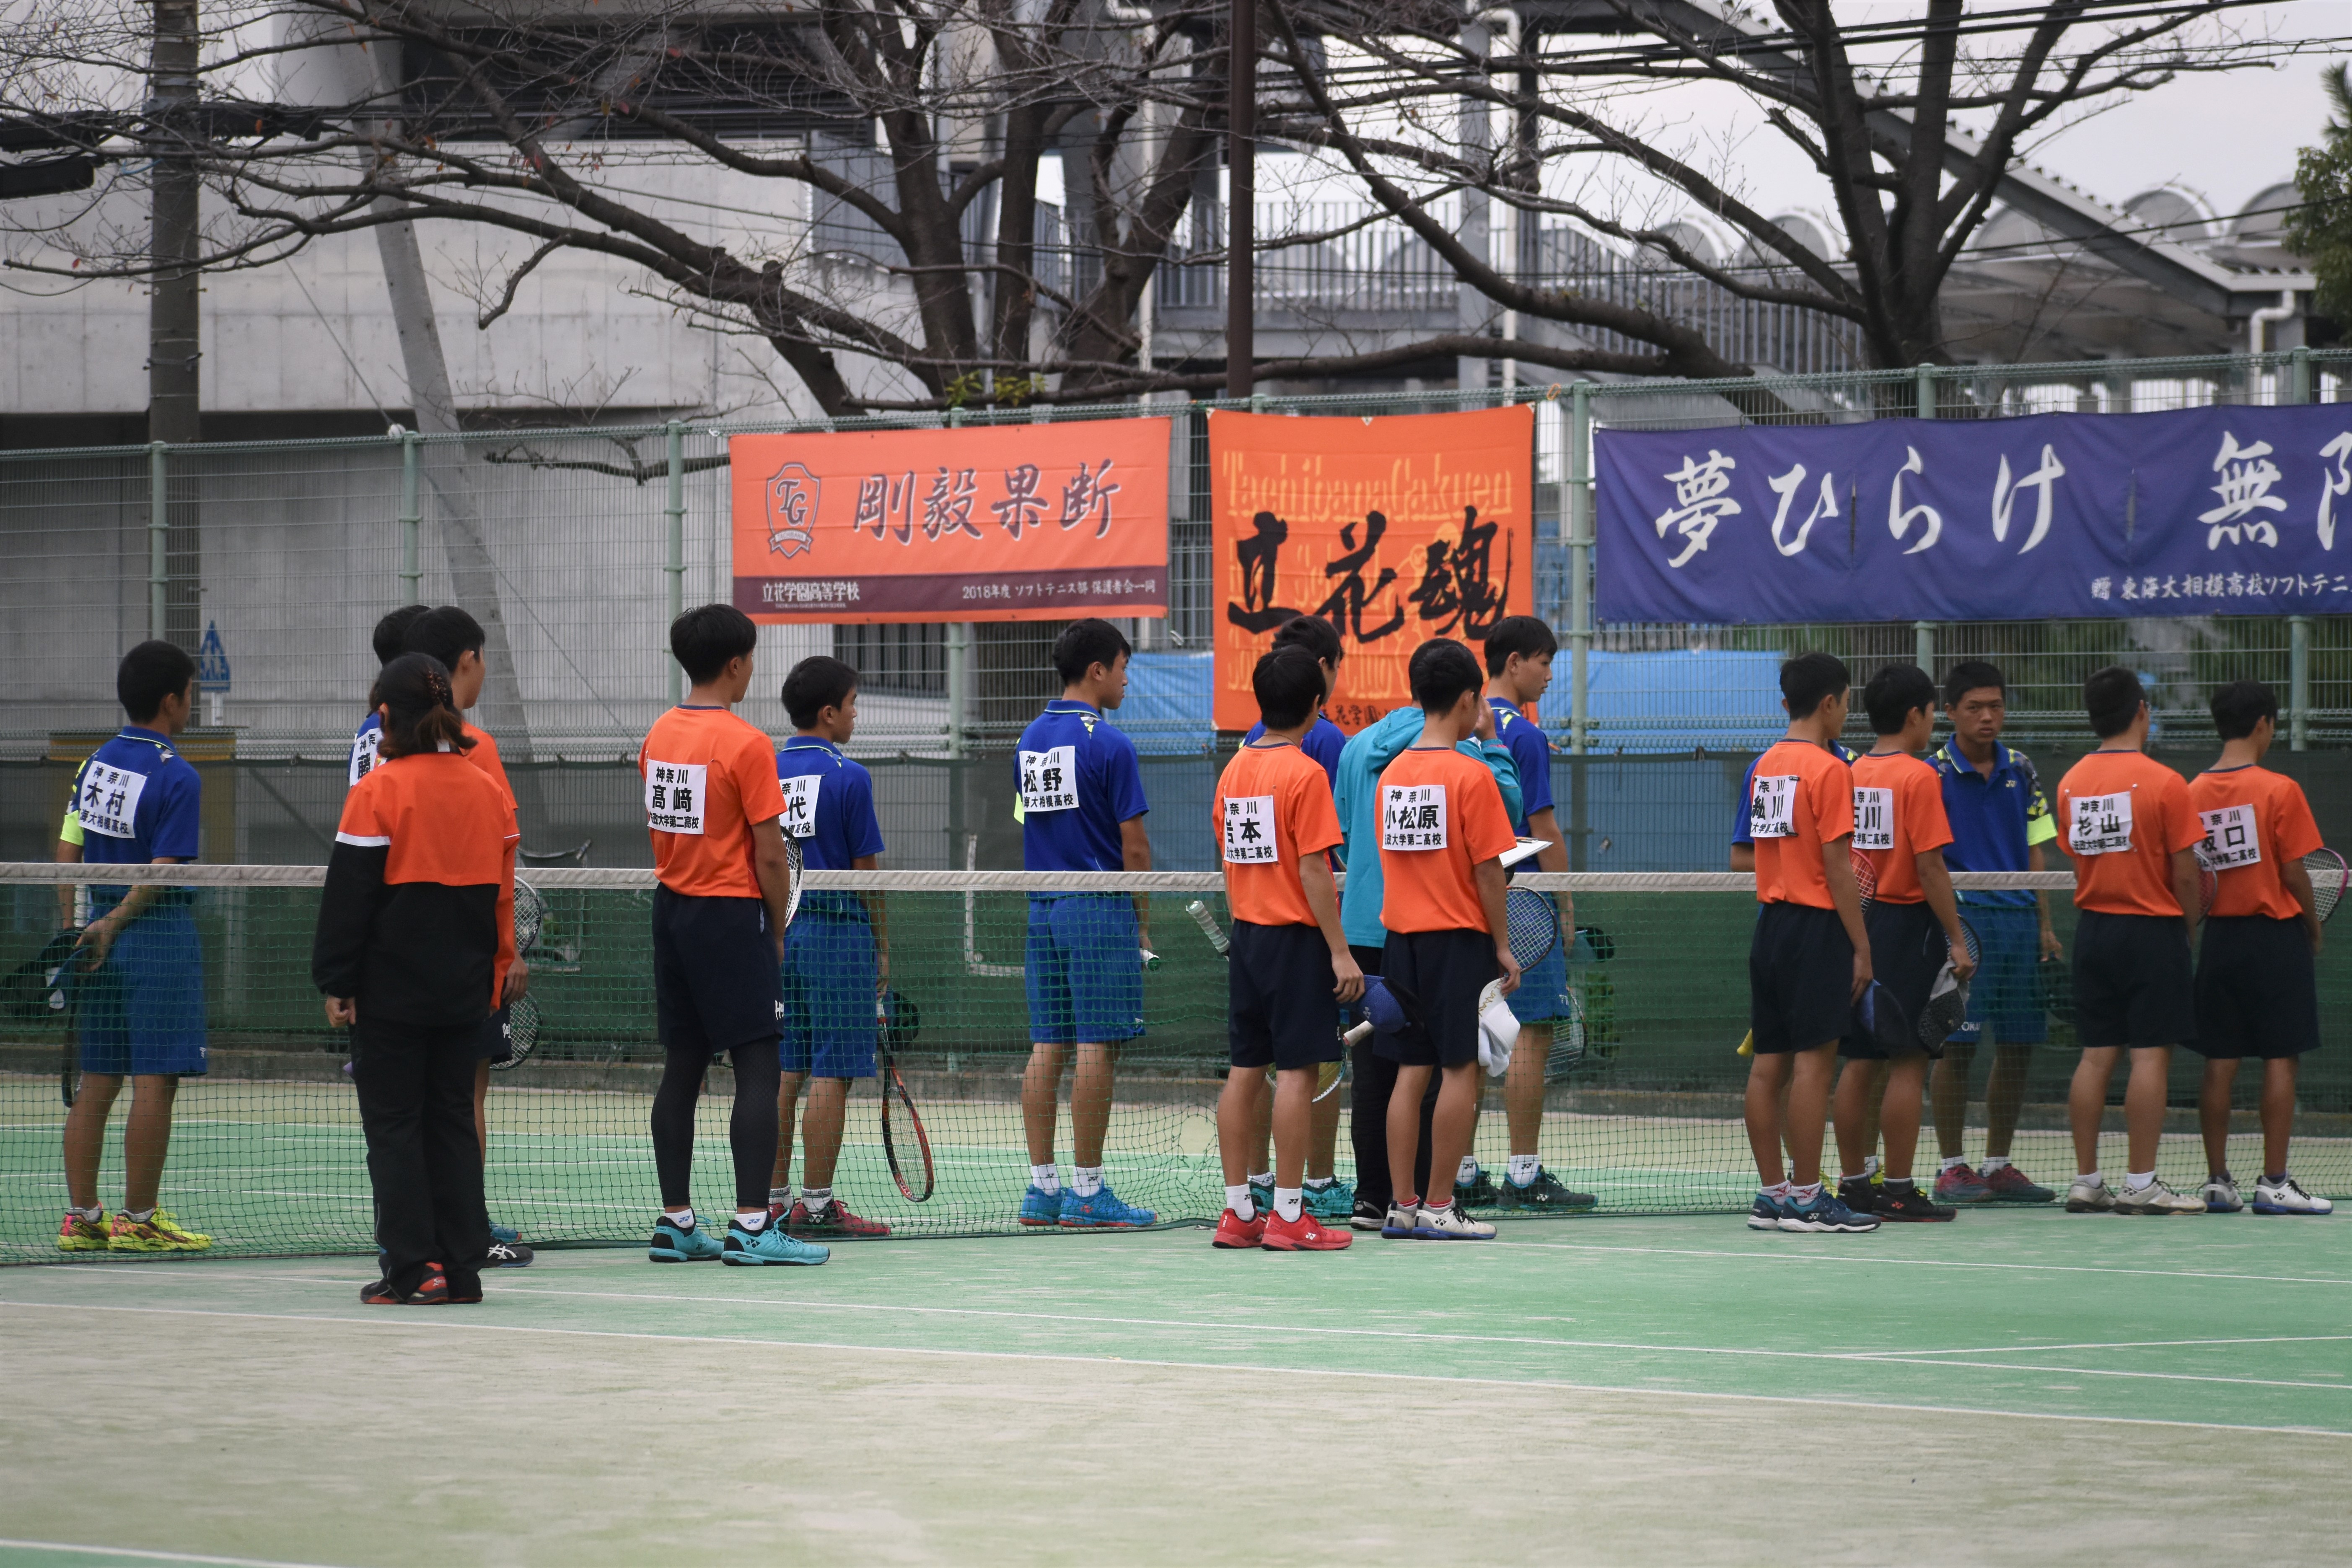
(412,518)
(1926,379)
(674,435)
(958,684)
(2298,683)
(2299,377)
(1923,645)
(158,534)
(1579,564)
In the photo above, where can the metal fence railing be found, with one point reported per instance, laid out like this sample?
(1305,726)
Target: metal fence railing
(272,560)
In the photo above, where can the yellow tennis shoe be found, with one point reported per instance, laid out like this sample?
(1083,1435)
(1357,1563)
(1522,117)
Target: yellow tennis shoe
(76,1234)
(159,1232)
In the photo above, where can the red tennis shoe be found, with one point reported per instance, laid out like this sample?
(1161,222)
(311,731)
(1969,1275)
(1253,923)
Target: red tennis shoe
(1305,1234)
(1233,1231)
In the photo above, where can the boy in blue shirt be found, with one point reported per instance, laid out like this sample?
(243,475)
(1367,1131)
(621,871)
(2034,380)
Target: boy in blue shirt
(837,951)
(136,802)
(390,641)
(1080,805)
(1324,738)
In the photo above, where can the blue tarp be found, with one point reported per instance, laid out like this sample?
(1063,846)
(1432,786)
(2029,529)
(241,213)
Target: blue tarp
(1168,699)
(1674,701)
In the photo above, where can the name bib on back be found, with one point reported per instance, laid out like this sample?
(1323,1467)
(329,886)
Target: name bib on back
(1412,816)
(1249,830)
(1873,818)
(1772,809)
(2230,840)
(109,804)
(364,749)
(674,796)
(2100,825)
(1049,780)
(800,804)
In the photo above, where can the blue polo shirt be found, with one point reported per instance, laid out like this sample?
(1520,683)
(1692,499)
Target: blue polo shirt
(1996,820)
(1739,834)
(364,750)
(1076,780)
(828,804)
(1324,743)
(136,800)
(1531,753)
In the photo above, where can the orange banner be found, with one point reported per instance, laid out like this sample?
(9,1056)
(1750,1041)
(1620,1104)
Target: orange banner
(1395,529)
(1011,523)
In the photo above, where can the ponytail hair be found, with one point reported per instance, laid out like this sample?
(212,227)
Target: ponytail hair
(420,714)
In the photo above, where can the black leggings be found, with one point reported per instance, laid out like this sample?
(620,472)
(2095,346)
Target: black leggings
(750,1129)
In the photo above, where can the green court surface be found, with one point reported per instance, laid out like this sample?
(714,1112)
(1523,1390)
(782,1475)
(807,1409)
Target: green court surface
(2020,1386)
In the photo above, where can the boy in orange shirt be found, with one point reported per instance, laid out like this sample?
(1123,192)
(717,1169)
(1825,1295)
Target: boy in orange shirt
(2257,985)
(2127,821)
(1274,820)
(1443,828)
(1913,925)
(1809,962)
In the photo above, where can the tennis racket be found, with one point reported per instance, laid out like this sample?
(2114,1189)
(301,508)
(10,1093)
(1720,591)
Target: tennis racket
(1947,1000)
(1531,924)
(1567,1040)
(2330,877)
(518,1035)
(904,1142)
(2053,984)
(793,875)
(1865,877)
(530,915)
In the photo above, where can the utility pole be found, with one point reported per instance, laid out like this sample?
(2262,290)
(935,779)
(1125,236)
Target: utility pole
(1241,200)
(174,327)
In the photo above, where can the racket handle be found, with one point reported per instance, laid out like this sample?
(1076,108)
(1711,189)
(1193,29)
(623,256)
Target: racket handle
(1356,1035)
(1150,959)
(1208,928)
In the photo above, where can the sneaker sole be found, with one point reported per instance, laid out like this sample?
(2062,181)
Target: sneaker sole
(1761,1222)
(1106,1224)
(681,1257)
(2009,1198)
(1294,1246)
(1040,1223)
(1235,1245)
(2164,1213)
(745,1260)
(1391,1234)
(1420,1234)
(1803,1228)
(2074,1207)
(158,1246)
(1916,1218)
(2274,1209)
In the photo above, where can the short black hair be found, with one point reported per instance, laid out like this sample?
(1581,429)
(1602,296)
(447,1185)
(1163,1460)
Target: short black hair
(2111,696)
(447,633)
(2240,706)
(1084,644)
(148,674)
(1810,679)
(1971,675)
(817,683)
(1313,633)
(392,632)
(1894,693)
(1523,634)
(705,637)
(1441,670)
(1288,683)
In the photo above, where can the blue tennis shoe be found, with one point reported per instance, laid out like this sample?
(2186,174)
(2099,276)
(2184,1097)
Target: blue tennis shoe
(671,1245)
(1102,1211)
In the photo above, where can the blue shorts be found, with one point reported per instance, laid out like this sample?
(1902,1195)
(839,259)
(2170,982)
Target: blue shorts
(1542,996)
(1085,969)
(2006,991)
(829,978)
(715,982)
(143,1013)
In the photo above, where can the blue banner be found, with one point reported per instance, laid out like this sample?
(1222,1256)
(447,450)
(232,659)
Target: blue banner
(2229,511)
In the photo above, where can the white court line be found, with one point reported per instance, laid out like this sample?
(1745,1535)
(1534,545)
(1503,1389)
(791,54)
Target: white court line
(151,1556)
(2109,1371)
(458,1325)
(1786,1256)
(2120,1345)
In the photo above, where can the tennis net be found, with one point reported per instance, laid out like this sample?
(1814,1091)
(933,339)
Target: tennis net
(1643,1106)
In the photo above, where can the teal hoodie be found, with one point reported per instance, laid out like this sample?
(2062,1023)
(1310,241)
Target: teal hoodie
(1374,748)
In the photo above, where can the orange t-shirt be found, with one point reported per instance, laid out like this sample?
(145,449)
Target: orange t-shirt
(2123,816)
(709,776)
(1441,815)
(1898,814)
(2254,821)
(1800,797)
(438,824)
(485,756)
(1273,805)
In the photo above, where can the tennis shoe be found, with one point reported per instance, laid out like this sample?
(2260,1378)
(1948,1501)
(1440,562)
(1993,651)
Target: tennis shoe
(2083,1198)
(1236,1234)
(2221,1195)
(1102,1211)
(1262,1197)
(433,1290)
(769,1245)
(1401,1221)
(671,1245)
(1368,1216)
(1477,1194)
(76,1234)
(834,1222)
(2156,1198)
(505,1233)
(1334,1203)
(1909,1205)
(158,1232)
(1826,1215)
(1858,1195)
(508,1255)
(1765,1213)
(1038,1206)
(1305,1234)
(1961,1185)
(2285,1196)
(1450,1223)
(2009,1185)
(1545,1194)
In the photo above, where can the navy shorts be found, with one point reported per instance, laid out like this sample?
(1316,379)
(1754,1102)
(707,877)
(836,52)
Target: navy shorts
(829,983)
(715,982)
(1438,974)
(1908,950)
(2257,989)
(1085,969)
(2007,991)
(142,1013)
(491,1044)
(1281,1011)
(1800,979)
(2132,981)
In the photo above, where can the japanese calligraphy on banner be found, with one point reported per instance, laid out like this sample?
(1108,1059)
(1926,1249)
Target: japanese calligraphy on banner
(2226,510)
(1395,529)
(1012,522)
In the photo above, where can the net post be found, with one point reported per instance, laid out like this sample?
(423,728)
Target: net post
(1580,566)
(674,439)
(158,534)
(2298,683)
(412,516)
(1925,376)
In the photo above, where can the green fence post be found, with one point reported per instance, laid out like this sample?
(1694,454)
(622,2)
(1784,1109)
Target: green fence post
(674,435)
(1579,564)
(412,518)
(2298,683)
(158,528)
(1923,645)
(2299,377)
(1925,376)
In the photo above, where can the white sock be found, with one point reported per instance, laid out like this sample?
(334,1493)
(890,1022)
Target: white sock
(2135,1180)
(1046,1179)
(682,1218)
(1954,1164)
(1805,1194)
(139,1216)
(1870,1166)
(1238,1200)
(816,1198)
(1468,1172)
(1523,1169)
(1261,1178)
(1288,1202)
(780,1196)
(1993,1162)
(2091,1179)
(1779,1190)
(1085,1180)
(1436,1208)
(1317,1184)
(753,1223)
(92,1213)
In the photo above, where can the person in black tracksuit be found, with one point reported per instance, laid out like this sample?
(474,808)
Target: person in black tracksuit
(414,950)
